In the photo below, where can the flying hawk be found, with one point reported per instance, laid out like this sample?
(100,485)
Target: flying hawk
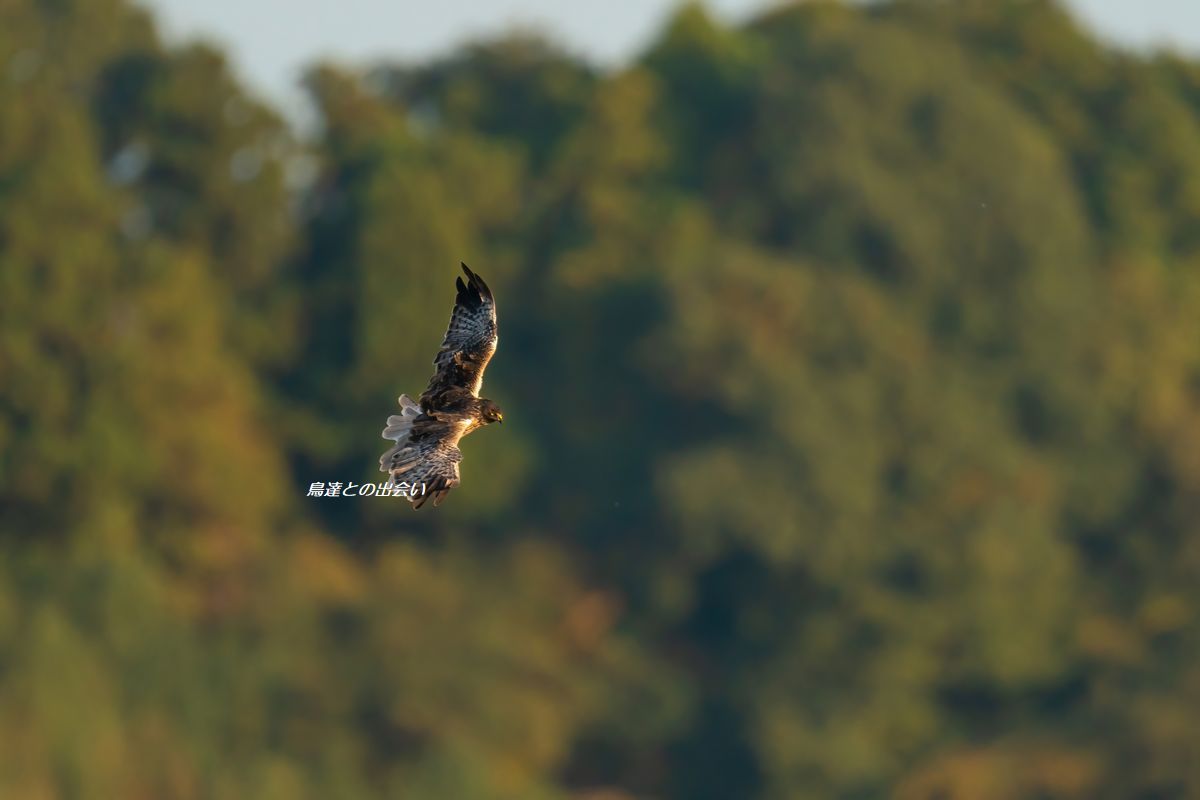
(424,461)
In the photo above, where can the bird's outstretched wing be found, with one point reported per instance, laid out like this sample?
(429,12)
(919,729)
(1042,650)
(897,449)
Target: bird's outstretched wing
(469,344)
(424,462)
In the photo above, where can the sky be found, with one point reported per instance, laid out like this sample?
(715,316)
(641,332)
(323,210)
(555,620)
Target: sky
(271,41)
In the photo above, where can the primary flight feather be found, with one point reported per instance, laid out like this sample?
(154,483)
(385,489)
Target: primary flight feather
(423,463)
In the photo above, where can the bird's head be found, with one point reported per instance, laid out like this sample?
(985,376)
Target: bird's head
(490,412)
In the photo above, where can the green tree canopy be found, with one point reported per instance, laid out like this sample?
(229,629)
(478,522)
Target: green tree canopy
(849,359)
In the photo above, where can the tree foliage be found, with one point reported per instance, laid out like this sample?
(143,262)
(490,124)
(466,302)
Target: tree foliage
(850,358)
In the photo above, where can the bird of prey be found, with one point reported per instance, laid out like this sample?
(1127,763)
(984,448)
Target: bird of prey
(423,463)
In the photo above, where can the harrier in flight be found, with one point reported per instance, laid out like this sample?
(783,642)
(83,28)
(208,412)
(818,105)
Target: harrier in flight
(424,461)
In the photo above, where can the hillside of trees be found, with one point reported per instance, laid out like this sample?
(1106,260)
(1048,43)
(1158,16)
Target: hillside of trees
(850,361)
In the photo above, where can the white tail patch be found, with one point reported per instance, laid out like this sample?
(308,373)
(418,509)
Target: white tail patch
(399,425)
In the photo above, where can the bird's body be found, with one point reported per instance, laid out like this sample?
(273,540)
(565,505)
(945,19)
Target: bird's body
(424,461)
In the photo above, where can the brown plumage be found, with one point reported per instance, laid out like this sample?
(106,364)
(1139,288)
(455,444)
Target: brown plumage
(424,460)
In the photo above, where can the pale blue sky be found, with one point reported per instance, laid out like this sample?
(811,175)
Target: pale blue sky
(271,41)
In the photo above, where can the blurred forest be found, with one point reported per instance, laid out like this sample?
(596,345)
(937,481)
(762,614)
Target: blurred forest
(851,365)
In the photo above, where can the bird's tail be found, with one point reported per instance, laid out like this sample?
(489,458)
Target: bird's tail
(398,428)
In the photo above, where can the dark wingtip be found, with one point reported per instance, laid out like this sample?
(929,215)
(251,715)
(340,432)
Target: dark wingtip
(477,283)
(468,294)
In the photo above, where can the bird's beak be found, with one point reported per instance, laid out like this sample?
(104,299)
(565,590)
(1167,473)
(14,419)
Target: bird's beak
(500,418)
